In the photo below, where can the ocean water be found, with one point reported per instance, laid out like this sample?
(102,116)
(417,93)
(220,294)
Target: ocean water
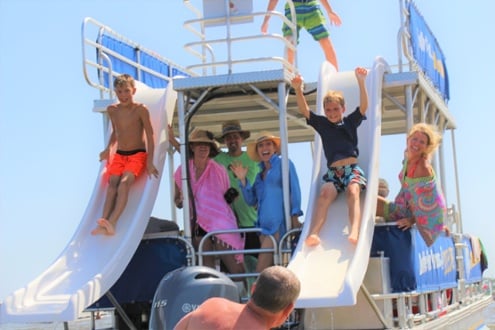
(83,323)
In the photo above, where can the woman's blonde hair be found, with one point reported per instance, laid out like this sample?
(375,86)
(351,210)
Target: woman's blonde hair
(431,132)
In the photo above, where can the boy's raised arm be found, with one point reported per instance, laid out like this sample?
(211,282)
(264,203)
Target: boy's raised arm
(302,105)
(361,74)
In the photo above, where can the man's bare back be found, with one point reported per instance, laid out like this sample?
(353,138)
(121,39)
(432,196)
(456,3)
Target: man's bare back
(222,314)
(273,296)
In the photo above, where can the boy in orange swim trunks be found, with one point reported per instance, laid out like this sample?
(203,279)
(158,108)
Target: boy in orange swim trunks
(130,124)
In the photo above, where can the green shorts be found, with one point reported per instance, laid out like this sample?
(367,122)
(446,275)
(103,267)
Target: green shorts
(310,17)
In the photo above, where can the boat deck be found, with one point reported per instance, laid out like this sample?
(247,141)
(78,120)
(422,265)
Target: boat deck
(253,98)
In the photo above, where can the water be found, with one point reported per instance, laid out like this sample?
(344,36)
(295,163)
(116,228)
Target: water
(83,323)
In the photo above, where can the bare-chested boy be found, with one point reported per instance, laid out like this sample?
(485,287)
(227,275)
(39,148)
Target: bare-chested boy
(131,124)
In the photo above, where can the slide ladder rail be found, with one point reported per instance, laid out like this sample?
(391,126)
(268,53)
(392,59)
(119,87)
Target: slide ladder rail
(227,14)
(112,54)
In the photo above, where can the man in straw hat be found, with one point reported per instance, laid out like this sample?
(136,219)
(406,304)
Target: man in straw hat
(209,182)
(267,192)
(233,136)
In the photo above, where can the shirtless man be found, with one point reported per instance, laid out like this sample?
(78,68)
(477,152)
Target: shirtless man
(130,125)
(272,300)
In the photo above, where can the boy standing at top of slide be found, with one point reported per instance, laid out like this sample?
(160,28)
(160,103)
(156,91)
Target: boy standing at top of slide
(309,16)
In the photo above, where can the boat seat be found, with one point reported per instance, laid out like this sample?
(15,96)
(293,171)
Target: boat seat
(157,225)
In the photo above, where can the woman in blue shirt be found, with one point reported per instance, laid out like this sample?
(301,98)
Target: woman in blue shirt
(266,192)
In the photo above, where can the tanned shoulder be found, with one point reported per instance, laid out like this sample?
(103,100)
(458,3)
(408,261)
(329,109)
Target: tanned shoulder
(112,107)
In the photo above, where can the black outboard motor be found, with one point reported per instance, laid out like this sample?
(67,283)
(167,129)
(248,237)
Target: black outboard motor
(182,290)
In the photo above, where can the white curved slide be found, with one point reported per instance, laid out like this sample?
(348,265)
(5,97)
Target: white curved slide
(89,265)
(332,272)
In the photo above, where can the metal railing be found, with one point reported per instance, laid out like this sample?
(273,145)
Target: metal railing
(204,48)
(97,58)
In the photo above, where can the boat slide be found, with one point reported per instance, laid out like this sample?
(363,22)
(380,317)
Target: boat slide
(89,265)
(332,272)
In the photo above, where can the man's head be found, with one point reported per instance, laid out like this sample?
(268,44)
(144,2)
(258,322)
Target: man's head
(233,136)
(276,290)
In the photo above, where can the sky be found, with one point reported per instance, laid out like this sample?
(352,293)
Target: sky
(50,139)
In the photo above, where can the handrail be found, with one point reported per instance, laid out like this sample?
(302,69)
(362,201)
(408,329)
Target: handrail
(206,54)
(202,253)
(284,243)
(92,60)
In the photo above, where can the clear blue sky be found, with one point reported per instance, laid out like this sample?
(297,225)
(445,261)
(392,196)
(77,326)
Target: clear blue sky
(50,138)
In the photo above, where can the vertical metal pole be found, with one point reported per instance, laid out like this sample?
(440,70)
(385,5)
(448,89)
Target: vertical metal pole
(229,43)
(401,34)
(284,151)
(171,167)
(183,151)
(409,108)
(458,192)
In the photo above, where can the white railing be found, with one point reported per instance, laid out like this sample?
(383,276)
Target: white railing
(215,52)
(97,62)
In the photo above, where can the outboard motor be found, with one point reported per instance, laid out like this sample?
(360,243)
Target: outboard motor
(182,290)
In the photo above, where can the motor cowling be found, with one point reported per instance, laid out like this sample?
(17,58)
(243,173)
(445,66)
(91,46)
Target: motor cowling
(182,290)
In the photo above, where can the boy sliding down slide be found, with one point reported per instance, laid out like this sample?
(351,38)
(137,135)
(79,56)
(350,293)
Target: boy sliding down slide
(130,123)
(340,144)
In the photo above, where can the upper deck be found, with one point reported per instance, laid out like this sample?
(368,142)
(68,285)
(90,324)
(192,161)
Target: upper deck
(253,99)
(227,83)
(220,87)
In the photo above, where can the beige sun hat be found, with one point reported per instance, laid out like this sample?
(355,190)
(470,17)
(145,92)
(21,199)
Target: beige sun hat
(252,149)
(232,126)
(201,135)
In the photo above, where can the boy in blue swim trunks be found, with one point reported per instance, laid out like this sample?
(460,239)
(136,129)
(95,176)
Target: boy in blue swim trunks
(310,17)
(340,144)
(133,135)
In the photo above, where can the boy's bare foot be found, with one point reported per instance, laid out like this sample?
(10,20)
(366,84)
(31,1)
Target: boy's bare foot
(110,229)
(312,240)
(99,230)
(353,238)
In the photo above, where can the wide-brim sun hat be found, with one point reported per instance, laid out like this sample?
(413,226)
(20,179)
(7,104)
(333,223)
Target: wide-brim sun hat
(232,126)
(201,135)
(252,149)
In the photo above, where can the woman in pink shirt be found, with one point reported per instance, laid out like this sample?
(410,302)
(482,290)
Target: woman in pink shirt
(209,182)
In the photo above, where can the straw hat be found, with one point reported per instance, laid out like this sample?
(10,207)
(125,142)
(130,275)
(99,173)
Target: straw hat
(200,135)
(260,137)
(232,126)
